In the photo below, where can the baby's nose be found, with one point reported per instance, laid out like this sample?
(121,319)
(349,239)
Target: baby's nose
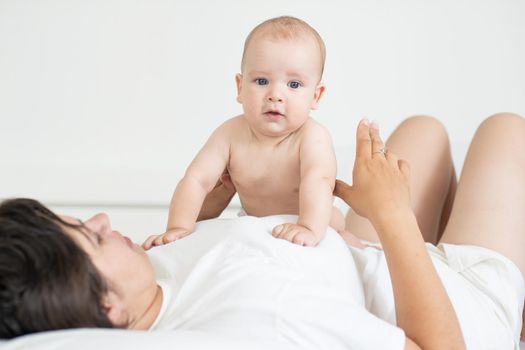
(275,98)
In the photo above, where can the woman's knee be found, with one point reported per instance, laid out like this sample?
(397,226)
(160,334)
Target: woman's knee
(428,127)
(504,120)
(425,122)
(507,128)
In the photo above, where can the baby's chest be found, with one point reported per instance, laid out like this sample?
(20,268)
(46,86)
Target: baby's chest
(249,169)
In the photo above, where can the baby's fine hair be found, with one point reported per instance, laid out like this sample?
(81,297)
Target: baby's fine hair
(286,27)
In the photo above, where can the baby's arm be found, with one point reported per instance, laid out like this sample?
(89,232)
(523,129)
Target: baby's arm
(318,170)
(199,179)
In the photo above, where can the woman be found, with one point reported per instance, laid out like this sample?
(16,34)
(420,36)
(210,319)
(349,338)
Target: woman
(435,295)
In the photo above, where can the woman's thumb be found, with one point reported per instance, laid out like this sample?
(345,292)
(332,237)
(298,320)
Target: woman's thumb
(343,191)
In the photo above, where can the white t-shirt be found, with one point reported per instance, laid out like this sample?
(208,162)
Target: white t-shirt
(231,277)
(486,290)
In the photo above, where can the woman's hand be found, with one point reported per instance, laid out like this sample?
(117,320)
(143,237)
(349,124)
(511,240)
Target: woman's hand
(218,199)
(380,180)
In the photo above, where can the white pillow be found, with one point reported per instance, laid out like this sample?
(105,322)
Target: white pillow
(111,339)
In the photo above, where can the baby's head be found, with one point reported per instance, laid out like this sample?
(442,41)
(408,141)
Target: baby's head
(289,29)
(281,70)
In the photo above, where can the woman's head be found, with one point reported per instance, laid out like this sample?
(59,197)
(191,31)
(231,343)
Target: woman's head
(57,272)
(129,275)
(47,281)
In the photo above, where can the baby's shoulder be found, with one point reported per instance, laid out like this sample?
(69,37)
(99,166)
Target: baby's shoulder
(232,126)
(233,122)
(313,128)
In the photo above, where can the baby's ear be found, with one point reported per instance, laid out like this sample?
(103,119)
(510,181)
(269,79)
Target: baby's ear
(319,91)
(238,82)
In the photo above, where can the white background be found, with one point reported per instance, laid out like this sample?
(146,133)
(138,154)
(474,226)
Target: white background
(104,103)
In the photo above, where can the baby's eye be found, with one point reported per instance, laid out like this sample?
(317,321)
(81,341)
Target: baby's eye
(294,84)
(261,81)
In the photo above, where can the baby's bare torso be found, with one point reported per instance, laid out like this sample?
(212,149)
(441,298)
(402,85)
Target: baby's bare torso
(267,176)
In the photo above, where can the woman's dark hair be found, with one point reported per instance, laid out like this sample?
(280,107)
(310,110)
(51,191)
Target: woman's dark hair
(46,280)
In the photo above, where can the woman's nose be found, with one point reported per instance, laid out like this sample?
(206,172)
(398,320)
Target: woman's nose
(99,223)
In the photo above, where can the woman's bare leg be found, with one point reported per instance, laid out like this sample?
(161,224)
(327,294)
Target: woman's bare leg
(423,142)
(447,206)
(489,207)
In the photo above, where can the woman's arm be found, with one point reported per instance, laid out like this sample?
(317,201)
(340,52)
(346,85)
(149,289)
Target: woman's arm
(218,199)
(380,192)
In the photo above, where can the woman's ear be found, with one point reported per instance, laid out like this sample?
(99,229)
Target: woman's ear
(115,309)
(319,91)
(238,82)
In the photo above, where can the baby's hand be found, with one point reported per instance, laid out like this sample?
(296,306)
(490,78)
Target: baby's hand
(297,234)
(165,238)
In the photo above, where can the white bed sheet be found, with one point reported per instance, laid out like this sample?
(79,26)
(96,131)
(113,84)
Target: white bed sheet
(101,339)
(111,339)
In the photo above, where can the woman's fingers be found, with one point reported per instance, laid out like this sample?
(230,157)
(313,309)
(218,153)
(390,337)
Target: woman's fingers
(368,141)
(226,180)
(342,190)
(404,167)
(392,159)
(363,142)
(377,144)
(380,179)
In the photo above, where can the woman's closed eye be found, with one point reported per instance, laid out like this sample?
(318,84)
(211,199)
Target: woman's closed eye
(88,233)
(98,236)
(93,236)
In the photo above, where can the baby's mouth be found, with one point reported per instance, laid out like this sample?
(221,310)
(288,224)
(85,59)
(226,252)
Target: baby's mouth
(273,116)
(274,113)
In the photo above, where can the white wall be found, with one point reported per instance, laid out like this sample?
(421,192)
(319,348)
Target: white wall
(104,103)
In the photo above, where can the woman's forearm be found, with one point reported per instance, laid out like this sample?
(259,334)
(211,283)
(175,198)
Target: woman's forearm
(423,308)
(215,202)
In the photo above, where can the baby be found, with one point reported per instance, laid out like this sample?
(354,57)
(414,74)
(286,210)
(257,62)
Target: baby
(279,159)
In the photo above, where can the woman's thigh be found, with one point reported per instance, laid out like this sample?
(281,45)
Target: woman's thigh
(489,206)
(423,142)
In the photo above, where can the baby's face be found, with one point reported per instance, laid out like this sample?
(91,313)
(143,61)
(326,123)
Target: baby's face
(279,84)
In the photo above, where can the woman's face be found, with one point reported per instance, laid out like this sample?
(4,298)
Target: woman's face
(124,265)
